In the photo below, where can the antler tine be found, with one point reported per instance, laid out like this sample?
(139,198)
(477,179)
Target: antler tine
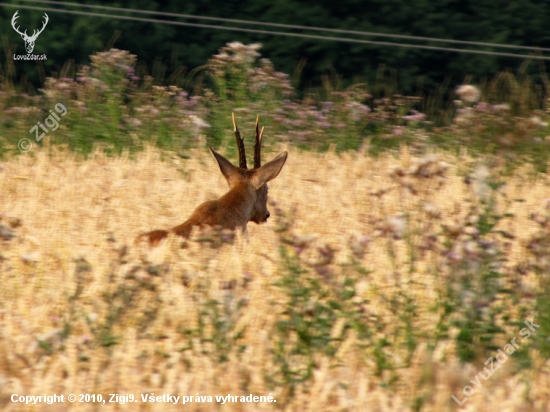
(258,144)
(240,144)
(13,23)
(36,32)
(44,23)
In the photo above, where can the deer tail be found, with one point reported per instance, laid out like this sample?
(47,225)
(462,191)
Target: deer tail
(153,237)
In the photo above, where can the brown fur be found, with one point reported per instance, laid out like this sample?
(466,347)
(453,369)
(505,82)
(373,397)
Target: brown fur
(245,201)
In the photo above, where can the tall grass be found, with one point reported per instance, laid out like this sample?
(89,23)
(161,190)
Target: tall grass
(377,284)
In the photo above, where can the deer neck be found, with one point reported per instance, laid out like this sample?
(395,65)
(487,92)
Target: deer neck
(241,200)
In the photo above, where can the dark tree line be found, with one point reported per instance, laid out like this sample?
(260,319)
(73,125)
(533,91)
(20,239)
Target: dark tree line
(516,22)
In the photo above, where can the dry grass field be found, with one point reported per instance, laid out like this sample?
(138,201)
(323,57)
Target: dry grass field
(85,311)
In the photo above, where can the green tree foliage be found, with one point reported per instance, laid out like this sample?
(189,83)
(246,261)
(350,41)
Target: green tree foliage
(75,37)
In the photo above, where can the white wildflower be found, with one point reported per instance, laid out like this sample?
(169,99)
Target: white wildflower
(479,177)
(468,93)
(503,107)
(537,121)
(397,225)
(199,123)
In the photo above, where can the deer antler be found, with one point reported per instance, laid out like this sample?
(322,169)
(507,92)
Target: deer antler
(240,144)
(258,144)
(35,32)
(15,16)
(46,20)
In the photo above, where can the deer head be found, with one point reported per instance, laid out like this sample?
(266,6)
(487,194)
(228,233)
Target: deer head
(255,178)
(246,200)
(29,40)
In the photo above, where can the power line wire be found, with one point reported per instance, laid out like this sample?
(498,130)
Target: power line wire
(290,26)
(299,35)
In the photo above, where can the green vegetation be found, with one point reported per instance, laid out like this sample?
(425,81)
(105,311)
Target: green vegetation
(167,48)
(110,103)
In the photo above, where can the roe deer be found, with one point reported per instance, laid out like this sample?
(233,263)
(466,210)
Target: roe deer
(245,201)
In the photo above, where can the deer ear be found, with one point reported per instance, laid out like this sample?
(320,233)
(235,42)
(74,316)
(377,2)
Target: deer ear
(226,167)
(269,171)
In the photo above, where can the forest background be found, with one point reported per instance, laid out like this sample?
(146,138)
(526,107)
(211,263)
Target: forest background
(169,47)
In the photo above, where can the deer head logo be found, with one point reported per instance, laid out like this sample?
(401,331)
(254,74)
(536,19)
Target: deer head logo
(29,40)
(246,200)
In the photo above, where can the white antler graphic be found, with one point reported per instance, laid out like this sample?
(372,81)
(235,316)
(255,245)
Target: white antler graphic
(29,41)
